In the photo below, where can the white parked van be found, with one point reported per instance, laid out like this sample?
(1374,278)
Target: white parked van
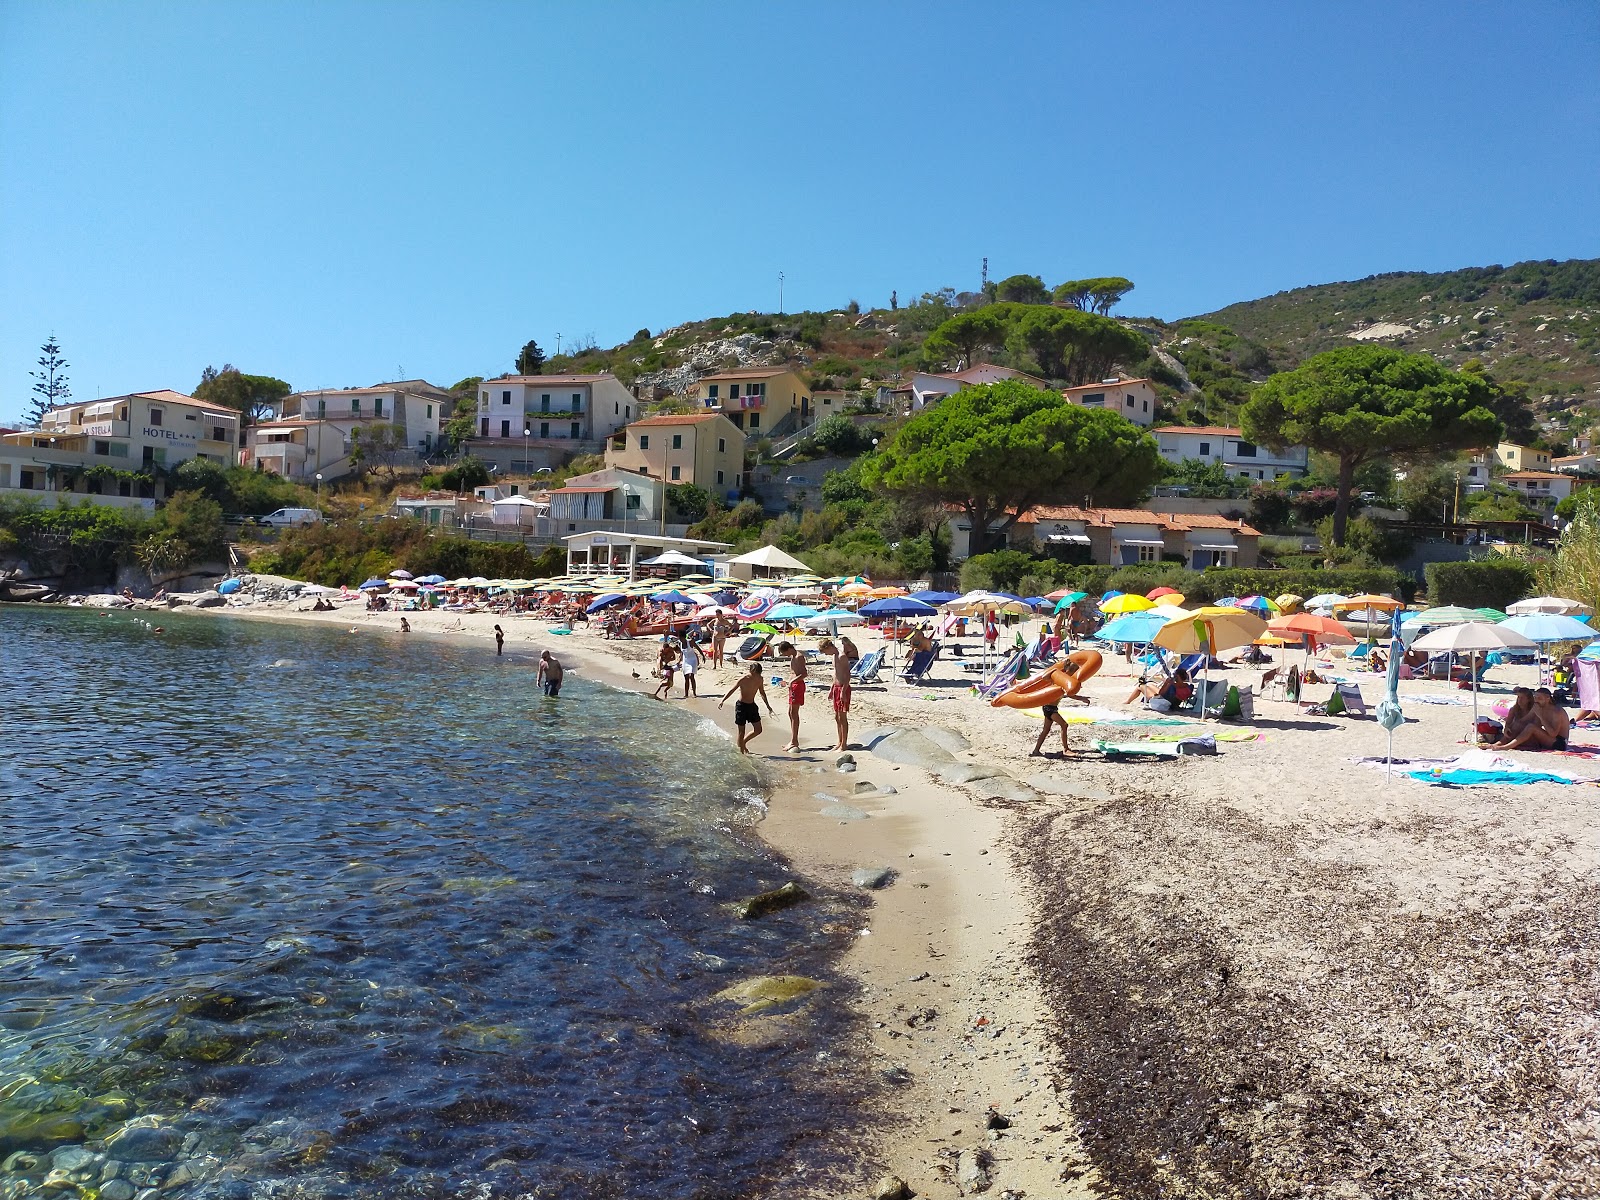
(292,516)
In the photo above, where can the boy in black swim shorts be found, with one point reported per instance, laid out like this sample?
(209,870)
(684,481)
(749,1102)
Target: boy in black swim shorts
(745,712)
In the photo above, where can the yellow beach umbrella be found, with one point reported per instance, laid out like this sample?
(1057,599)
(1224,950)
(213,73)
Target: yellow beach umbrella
(1129,603)
(1210,629)
(1382,603)
(1288,602)
(856,589)
(1170,600)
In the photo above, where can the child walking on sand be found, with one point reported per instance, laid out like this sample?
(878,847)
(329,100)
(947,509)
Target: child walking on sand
(745,712)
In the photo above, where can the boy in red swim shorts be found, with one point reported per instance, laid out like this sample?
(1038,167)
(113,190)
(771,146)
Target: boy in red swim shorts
(797,690)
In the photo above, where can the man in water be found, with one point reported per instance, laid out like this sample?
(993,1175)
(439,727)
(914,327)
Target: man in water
(550,673)
(839,691)
(797,690)
(690,660)
(405,625)
(499,641)
(745,712)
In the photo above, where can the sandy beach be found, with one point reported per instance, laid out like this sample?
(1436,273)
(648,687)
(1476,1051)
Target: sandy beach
(1271,972)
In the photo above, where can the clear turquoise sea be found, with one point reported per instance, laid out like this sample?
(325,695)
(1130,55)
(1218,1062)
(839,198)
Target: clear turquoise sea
(293,912)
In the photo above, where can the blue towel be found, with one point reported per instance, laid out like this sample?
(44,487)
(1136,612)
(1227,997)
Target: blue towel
(1462,777)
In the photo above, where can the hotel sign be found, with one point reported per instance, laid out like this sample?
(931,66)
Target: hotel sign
(157,433)
(100,428)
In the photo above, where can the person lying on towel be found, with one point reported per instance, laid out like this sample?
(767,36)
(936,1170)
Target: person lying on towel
(1166,696)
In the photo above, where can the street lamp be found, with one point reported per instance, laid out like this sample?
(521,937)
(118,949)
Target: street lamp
(319,489)
(527,431)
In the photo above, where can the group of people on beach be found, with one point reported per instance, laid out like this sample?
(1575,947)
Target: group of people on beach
(841,655)
(1533,722)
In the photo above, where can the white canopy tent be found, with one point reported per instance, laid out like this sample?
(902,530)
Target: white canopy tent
(770,561)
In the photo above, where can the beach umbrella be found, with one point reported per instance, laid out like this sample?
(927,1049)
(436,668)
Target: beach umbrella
(1157,593)
(1034,602)
(671,596)
(1259,605)
(1288,602)
(936,598)
(1068,599)
(604,601)
(1209,630)
(1447,614)
(835,617)
(792,612)
(405,585)
(1319,628)
(1491,614)
(478,581)
(1379,603)
(754,606)
(1473,637)
(1171,600)
(1061,594)
(898,606)
(1388,711)
(1138,628)
(856,589)
(1109,596)
(1547,604)
(1550,627)
(1126,604)
(1325,600)
(397,573)
(761,627)
(374,584)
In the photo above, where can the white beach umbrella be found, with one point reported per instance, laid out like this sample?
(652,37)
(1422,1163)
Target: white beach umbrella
(1548,604)
(1471,638)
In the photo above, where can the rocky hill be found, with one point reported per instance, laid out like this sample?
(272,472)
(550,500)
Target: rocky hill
(1535,325)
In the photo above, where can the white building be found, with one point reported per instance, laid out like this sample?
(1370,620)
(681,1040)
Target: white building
(530,421)
(1219,444)
(1133,398)
(1540,490)
(313,432)
(1585,462)
(928,388)
(99,448)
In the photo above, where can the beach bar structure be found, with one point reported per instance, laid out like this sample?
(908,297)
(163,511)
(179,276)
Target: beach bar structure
(623,553)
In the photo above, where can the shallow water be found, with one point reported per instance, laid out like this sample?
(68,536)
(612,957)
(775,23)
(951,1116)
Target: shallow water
(365,915)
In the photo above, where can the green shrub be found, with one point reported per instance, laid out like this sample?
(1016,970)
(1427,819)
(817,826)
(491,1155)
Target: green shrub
(1483,583)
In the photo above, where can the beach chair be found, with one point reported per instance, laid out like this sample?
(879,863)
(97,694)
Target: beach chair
(866,668)
(1272,680)
(1350,695)
(1004,676)
(919,664)
(1192,663)
(1216,694)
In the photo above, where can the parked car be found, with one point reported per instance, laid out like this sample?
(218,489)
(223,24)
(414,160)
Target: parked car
(286,517)
(794,480)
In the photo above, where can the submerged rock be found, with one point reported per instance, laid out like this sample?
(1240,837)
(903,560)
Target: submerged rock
(769,991)
(759,906)
(144,1140)
(972,1171)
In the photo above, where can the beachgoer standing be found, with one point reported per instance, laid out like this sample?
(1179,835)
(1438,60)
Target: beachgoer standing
(719,636)
(797,690)
(499,641)
(1052,716)
(691,660)
(550,673)
(745,712)
(666,661)
(839,691)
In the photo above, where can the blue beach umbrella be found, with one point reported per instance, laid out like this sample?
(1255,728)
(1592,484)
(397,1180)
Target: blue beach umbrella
(1139,627)
(605,601)
(936,597)
(672,597)
(790,612)
(1550,627)
(370,584)
(1109,596)
(898,606)
(429,579)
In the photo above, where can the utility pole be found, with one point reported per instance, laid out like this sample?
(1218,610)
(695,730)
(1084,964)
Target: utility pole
(558,341)
(985,286)
(780,293)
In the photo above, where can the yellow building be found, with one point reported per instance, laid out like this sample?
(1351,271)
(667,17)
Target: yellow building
(1521,458)
(705,449)
(762,401)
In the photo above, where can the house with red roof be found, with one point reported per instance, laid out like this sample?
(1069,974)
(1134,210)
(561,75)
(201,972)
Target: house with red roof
(1126,536)
(704,448)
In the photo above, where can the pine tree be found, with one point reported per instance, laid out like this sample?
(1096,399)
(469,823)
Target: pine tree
(52,386)
(531,360)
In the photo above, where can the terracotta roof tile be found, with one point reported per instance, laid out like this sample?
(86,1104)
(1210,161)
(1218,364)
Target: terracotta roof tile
(680,419)
(1207,430)
(746,373)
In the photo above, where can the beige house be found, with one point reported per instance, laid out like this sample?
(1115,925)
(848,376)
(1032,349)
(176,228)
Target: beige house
(1133,398)
(313,433)
(705,449)
(526,422)
(1127,536)
(82,449)
(1521,458)
(761,401)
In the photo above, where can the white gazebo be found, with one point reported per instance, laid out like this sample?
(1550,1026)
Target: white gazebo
(515,510)
(766,563)
(624,553)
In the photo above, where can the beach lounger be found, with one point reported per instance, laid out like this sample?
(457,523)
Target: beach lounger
(866,668)
(919,665)
(1004,676)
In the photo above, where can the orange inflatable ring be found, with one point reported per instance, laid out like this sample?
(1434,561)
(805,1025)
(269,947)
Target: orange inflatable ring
(1063,680)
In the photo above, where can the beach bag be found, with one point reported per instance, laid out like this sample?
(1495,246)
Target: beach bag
(1334,706)
(1157,704)
(1204,744)
(1240,703)
(1490,729)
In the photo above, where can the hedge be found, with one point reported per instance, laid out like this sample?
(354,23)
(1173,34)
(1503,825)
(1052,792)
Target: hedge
(1482,583)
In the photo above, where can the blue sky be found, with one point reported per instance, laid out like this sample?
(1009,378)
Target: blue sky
(334,192)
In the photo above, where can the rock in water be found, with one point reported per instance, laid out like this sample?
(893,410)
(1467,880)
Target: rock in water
(972,1171)
(769,991)
(766,902)
(890,1187)
(871,878)
(143,1140)
(117,1189)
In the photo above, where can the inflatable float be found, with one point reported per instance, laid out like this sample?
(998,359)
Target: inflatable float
(1062,680)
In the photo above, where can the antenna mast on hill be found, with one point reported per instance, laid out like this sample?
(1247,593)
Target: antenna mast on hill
(780,293)
(985,286)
